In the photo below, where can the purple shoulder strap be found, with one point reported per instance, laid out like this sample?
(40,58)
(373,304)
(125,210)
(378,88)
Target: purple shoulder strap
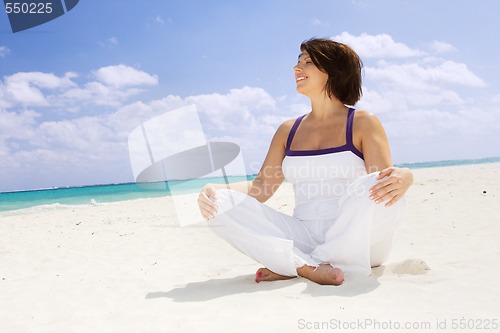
(293,130)
(348,133)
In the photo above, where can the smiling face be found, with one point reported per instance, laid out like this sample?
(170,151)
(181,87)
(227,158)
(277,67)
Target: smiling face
(309,79)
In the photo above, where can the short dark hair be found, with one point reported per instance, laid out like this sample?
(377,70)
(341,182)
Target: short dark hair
(342,65)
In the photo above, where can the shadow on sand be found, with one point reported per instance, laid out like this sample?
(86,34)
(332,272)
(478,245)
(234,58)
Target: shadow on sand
(215,288)
(354,284)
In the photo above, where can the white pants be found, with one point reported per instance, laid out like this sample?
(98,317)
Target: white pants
(358,239)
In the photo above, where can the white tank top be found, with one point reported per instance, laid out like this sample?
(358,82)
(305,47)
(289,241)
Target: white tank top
(320,177)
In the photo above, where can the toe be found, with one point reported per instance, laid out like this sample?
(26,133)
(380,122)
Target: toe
(259,275)
(339,276)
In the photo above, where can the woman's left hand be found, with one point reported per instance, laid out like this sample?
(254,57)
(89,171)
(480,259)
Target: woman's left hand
(392,188)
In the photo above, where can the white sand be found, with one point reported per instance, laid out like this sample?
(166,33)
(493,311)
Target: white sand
(127,267)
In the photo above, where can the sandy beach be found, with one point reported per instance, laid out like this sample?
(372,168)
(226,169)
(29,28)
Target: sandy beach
(128,267)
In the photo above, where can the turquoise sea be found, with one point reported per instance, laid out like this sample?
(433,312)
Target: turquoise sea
(20,200)
(95,194)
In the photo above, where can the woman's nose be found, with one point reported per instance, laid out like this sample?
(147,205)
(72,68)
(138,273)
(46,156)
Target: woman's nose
(297,68)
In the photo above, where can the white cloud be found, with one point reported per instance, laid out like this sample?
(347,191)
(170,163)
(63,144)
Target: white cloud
(377,46)
(441,47)
(4,51)
(113,40)
(421,76)
(26,88)
(124,76)
(97,93)
(238,106)
(129,116)
(99,142)
(158,19)
(15,127)
(316,21)
(42,80)
(416,83)
(240,114)
(109,42)
(16,120)
(112,87)
(359,3)
(496,99)
(423,98)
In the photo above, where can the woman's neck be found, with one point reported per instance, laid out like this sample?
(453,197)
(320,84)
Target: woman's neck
(323,106)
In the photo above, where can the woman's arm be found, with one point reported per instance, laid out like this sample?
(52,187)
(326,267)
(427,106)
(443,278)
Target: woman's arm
(374,145)
(270,176)
(265,183)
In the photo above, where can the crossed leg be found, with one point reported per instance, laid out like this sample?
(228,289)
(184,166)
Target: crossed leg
(324,274)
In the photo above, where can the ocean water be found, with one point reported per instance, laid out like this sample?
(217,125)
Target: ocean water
(95,194)
(18,202)
(449,163)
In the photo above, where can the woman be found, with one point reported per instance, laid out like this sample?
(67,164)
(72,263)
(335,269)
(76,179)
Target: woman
(339,163)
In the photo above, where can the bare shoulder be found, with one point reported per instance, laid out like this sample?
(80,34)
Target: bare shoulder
(284,129)
(281,136)
(287,124)
(366,121)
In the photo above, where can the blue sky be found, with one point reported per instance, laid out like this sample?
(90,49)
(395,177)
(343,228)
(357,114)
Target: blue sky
(72,90)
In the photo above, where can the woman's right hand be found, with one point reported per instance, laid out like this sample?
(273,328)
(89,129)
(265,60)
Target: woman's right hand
(206,201)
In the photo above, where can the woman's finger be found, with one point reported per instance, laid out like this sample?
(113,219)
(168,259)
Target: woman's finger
(206,204)
(386,172)
(393,200)
(381,186)
(378,187)
(387,192)
(207,208)
(210,192)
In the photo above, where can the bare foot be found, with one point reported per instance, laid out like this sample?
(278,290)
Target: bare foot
(323,274)
(263,274)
